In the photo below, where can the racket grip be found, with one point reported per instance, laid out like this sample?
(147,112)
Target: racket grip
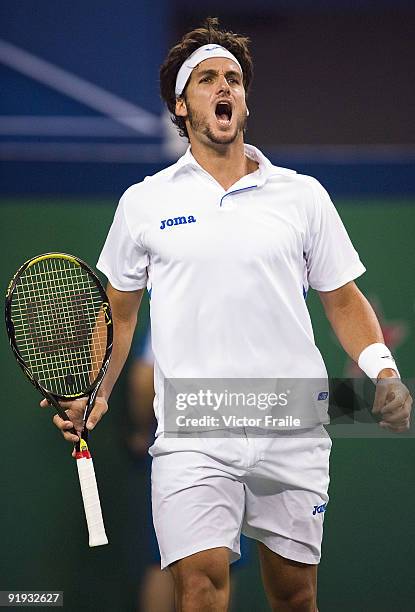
(92,505)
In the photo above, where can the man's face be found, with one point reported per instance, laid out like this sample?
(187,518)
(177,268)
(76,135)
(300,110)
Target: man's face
(214,103)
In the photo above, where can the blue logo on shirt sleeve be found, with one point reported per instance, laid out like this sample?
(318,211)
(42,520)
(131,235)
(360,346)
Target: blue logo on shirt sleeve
(320,509)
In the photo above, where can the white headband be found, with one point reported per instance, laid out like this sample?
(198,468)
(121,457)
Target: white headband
(203,53)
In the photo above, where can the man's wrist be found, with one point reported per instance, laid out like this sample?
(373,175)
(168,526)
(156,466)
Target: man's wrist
(102,395)
(377,358)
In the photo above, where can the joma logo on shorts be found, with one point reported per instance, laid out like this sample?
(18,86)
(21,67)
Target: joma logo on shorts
(320,509)
(177,221)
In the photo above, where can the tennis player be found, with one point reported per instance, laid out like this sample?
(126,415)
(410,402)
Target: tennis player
(229,244)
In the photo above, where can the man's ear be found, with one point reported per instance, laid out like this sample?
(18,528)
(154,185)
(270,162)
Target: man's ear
(181,108)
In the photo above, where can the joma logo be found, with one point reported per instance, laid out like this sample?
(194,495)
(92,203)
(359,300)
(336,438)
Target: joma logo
(320,509)
(177,221)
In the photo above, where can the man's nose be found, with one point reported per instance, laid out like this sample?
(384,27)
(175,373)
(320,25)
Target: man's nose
(223,84)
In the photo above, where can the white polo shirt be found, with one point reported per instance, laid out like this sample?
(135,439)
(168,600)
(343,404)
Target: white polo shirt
(228,270)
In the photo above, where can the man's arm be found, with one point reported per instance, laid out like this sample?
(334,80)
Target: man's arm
(356,326)
(352,319)
(124,308)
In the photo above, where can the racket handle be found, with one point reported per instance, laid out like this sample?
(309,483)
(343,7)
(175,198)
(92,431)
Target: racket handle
(92,505)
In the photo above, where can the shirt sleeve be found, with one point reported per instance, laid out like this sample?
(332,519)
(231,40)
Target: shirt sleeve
(331,258)
(123,259)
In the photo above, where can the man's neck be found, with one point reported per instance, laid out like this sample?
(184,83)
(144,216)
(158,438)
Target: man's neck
(226,163)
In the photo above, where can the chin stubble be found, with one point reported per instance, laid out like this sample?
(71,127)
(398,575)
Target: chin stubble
(198,125)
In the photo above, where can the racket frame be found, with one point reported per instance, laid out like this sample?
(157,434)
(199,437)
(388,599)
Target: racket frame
(12,337)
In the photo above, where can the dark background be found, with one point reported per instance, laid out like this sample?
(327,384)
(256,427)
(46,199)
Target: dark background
(333,96)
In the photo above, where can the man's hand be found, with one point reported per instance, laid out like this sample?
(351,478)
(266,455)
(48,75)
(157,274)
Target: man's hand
(393,402)
(75,410)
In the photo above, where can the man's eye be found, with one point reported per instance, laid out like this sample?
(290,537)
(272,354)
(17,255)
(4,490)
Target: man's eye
(206,79)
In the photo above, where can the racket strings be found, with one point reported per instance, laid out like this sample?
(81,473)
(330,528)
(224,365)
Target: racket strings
(60,325)
(59,352)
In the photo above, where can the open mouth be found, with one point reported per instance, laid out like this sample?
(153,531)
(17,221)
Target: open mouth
(223,112)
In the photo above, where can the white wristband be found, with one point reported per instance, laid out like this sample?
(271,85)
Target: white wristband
(375,358)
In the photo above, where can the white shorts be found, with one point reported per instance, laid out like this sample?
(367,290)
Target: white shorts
(271,489)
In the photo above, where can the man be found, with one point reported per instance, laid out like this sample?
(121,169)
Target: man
(228,245)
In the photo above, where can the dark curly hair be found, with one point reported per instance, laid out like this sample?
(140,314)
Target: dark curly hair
(208,33)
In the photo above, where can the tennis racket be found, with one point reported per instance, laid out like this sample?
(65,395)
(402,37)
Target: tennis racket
(59,325)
